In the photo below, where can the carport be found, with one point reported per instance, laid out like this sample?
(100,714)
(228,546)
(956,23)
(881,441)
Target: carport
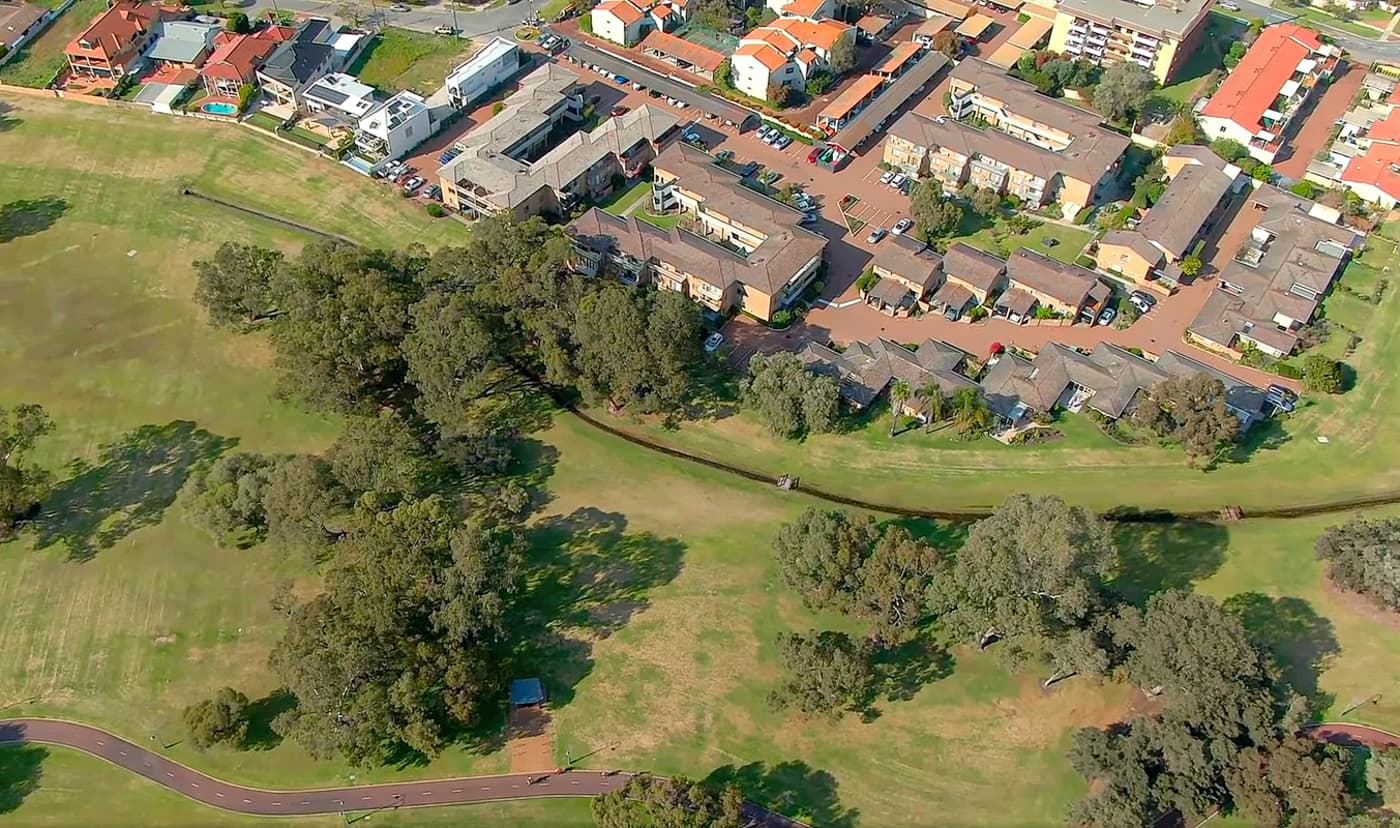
(731,113)
(873,117)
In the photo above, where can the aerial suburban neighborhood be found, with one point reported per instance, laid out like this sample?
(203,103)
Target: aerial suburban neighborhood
(700,413)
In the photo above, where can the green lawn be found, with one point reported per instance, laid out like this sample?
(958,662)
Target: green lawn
(398,59)
(665,222)
(619,202)
(1378,18)
(1221,31)
(40,59)
(1322,18)
(994,239)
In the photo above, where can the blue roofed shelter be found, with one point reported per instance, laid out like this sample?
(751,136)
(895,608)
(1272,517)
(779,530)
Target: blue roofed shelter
(527,692)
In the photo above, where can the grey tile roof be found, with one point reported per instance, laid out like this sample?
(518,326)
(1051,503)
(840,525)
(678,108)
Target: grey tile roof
(1066,283)
(866,368)
(911,259)
(1175,221)
(1173,17)
(183,41)
(976,267)
(299,60)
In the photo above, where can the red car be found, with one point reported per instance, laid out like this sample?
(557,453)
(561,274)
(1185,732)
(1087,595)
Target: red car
(618,110)
(814,155)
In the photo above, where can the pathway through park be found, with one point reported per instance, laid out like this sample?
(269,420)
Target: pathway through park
(259,802)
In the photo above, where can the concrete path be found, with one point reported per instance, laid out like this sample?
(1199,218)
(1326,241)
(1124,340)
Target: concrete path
(259,802)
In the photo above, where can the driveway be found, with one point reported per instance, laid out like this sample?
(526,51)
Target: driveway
(1317,125)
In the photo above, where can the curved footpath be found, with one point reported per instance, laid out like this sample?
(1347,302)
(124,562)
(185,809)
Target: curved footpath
(1354,735)
(194,785)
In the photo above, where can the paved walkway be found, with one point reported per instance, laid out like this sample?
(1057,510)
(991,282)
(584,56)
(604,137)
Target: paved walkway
(259,802)
(1352,735)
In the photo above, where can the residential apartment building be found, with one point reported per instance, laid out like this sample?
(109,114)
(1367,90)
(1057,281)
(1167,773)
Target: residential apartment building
(1365,156)
(628,21)
(494,64)
(971,277)
(1198,189)
(1276,281)
(1025,144)
(19,21)
(787,52)
(299,62)
(958,155)
(737,250)
(116,41)
(1259,100)
(532,158)
(909,270)
(1159,36)
(393,128)
(1035,280)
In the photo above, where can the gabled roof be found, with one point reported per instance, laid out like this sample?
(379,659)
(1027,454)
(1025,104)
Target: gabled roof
(692,53)
(911,259)
(623,10)
(800,32)
(853,96)
(866,368)
(1252,86)
(1065,283)
(183,41)
(1376,167)
(237,56)
(299,60)
(113,31)
(763,53)
(1175,221)
(16,18)
(976,267)
(1134,241)
(804,8)
(898,57)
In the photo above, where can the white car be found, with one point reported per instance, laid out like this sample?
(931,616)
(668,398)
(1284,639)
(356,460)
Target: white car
(875,235)
(1107,316)
(901,227)
(898,180)
(887,178)
(713,341)
(399,7)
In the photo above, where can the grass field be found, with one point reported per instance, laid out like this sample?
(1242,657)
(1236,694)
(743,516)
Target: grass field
(1068,241)
(40,59)
(398,59)
(657,595)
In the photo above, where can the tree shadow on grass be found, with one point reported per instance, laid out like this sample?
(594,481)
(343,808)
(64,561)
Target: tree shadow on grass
(1159,556)
(589,578)
(791,788)
(944,535)
(261,712)
(1302,641)
(20,769)
(1269,435)
(135,479)
(7,120)
(28,216)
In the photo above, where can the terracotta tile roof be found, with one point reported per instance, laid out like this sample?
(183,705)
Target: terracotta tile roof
(902,54)
(622,10)
(1376,167)
(808,56)
(823,34)
(853,96)
(1252,86)
(236,56)
(763,53)
(1386,130)
(114,30)
(692,53)
(803,8)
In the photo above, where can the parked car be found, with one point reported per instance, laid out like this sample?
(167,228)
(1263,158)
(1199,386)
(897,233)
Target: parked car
(620,80)
(617,110)
(448,156)
(1227,4)
(886,178)
(875,235)
(724,155)
(814,155)
(447,31)
(713,341)
(411,185)
(908,186)
(637,87)
(898,180)
(749,169)
(809,217)
(681,104)
(434,192)
(1107,316)
(784,141)
(1281,398)
(399,7)
(1144,302)
(901,227)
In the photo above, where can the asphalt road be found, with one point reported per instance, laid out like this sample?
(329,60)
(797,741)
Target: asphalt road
(256,801)
(1362,49)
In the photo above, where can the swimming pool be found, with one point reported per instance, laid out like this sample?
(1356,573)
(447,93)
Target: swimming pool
(220,108)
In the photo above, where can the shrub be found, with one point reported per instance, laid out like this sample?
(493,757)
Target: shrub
(977,313)
(245,97)
(1191,265)
(782,318)
(1304,188)
(498,107)
(1086,261)
(1322,374)
(1083,216)
(223,718)
(435,210)
(237,23)
(866,281)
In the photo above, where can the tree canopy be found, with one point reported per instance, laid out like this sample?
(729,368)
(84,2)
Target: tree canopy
(1124,90)
(22,485)
(235,286)
(226,498)
(1036,567)
(825,673)
(936,215)
(821,555)
(675,802)
(790,400)
(220,720)
(1364,556)
(1190,410)
(637,349)
(405,645)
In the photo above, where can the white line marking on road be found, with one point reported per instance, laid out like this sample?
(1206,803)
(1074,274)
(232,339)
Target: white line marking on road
(277,803)
(196,784)
(426,793)
(245,799)
(219,795)
(306,802)
(364,799)
(100,742)
(515,786)
(486,787)
(122,752)
(170,774)
(456,790)
(575,782)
